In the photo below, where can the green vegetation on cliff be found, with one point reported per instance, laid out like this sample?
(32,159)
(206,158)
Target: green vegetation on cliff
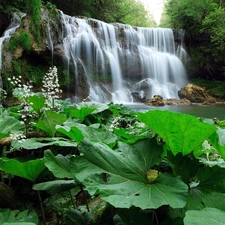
(204,22)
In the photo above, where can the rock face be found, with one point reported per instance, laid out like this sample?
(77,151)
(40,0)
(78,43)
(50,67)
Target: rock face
(196,94)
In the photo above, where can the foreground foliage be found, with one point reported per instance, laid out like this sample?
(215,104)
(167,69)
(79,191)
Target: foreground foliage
(93,163)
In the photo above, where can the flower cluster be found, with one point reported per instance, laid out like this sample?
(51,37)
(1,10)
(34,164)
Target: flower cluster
(21,91)
(115,123)
(51,86)
(16,137)
(19,137)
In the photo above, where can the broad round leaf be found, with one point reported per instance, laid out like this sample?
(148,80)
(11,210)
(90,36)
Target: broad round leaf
(208,216)
(126,173)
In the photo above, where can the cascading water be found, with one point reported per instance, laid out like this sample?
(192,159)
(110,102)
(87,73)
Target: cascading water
(118,60)
(15,22)
(50,41)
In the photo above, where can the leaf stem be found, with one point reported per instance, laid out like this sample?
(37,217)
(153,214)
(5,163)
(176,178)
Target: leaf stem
(42,208)
(74,205)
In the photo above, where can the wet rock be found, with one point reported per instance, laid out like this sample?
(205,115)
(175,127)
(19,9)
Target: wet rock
(137,97)
(195,94)
(157,100)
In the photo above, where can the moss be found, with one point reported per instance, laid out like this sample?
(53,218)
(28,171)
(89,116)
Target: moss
(14,43)
(36,74)
(21,40)
(16,67)
(34,10)
(24,40)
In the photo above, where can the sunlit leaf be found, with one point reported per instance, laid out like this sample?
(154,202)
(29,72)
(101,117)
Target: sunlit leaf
(182,133)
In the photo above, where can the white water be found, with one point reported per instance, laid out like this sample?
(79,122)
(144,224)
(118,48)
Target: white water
(50,41)
(15,23)
(119,59)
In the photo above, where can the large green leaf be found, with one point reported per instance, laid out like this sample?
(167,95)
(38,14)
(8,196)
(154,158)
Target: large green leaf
(71,131)
(27,217)
(35,143)
(217,139)
(37,102)
(208,216)
(182,133)
(78,131)
(59,165)
(79,112)
(126,171)
(49,120)
(29,169)
(10,125)
(55,186)
(211,179)
(185,166)
(214,200)
(208,180)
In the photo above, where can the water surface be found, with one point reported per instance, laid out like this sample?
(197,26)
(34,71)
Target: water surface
(205,111)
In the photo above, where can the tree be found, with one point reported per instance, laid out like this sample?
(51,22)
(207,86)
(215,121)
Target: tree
(214,25)
(189,14)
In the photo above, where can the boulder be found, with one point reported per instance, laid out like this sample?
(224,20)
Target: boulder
(157,100)
(195,94)
(137,97)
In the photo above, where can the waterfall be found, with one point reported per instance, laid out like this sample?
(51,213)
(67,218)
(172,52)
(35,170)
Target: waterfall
(15,23)
(50,41)
(117,60)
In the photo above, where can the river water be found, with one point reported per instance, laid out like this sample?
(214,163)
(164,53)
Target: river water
(204,111)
